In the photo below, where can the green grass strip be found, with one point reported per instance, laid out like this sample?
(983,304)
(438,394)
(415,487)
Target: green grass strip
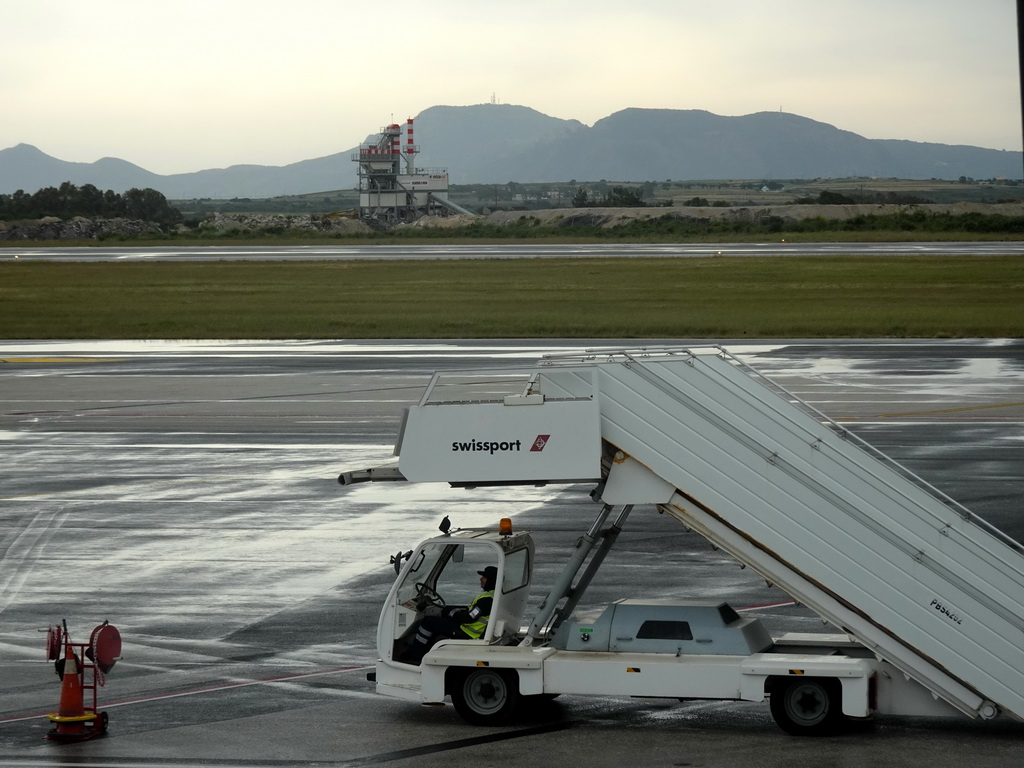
(926,297)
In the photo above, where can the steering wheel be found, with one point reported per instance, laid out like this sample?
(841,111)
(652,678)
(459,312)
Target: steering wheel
(429,594)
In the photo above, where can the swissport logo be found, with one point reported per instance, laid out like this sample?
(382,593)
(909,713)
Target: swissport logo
(499,446)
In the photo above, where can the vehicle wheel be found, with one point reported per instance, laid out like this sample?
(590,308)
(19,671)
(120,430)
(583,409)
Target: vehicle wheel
(807,706)
(486,696)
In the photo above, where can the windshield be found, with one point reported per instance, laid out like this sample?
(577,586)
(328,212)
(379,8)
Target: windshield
(449,570)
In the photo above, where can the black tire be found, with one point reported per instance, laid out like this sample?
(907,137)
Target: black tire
(486,696)
(807,706)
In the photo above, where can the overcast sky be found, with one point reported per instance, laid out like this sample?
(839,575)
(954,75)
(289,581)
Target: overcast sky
(184,85)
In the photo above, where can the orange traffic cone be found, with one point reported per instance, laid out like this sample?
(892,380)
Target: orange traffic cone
(70,719)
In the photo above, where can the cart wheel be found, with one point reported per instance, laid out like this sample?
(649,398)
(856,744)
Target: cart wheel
(486,696)
(807,706)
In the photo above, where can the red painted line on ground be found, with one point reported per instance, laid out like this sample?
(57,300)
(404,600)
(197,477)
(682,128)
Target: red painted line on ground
(779,604)
(196,691)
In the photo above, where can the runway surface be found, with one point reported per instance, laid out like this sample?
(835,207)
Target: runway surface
(187,493)
(480,251)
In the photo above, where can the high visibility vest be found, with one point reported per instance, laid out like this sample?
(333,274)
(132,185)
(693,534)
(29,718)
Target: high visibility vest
(477,624)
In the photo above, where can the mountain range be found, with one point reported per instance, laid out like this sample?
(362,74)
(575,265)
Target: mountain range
(498,143)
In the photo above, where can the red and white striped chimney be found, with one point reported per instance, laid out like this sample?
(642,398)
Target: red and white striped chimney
(410,145)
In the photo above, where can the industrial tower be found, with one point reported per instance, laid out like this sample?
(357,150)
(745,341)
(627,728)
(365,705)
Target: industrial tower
(387,196)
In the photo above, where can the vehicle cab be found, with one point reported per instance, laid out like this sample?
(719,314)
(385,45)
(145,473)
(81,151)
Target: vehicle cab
(444,571)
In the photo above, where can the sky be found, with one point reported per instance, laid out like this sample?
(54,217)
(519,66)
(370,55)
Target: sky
(184,85)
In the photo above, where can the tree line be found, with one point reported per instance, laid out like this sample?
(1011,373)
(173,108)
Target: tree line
(68,201)
(616,197)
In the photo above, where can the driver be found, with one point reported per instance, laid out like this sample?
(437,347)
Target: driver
(458,622)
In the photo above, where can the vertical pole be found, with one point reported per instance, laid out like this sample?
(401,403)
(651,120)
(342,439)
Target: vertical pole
(1020,57)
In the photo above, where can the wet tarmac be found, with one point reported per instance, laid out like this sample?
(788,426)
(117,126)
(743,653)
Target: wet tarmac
(187,493)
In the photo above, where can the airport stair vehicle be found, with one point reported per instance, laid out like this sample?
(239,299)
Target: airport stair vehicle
(909,574)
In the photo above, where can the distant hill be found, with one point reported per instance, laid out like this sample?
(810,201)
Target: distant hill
(498,143)
(25,167)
